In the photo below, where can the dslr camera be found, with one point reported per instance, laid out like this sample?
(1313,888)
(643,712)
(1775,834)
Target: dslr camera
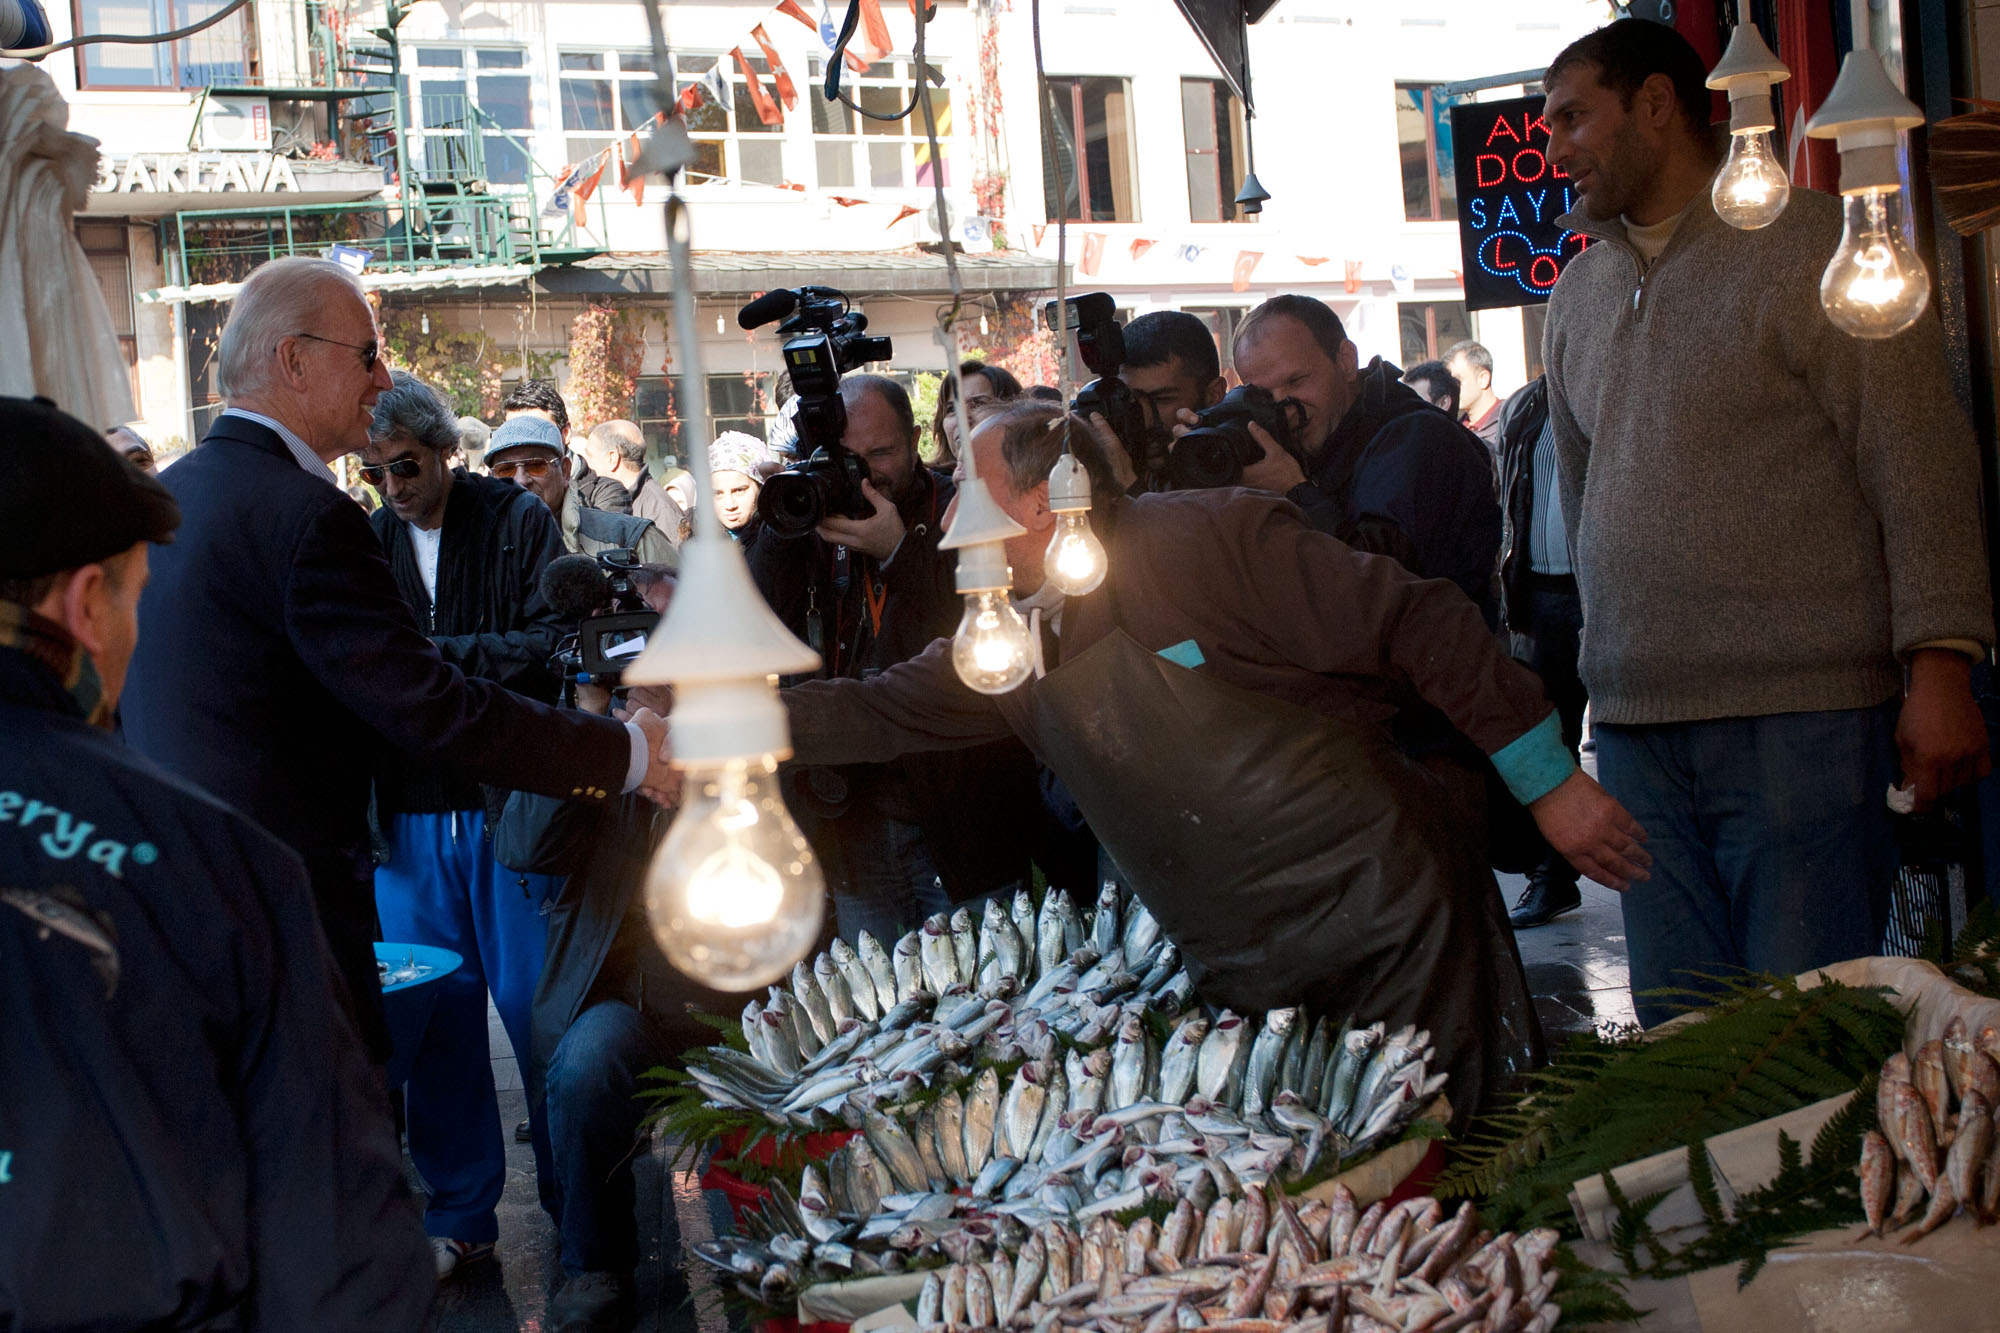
(1215,451)
(613,634)
(1100,344)
(825,337)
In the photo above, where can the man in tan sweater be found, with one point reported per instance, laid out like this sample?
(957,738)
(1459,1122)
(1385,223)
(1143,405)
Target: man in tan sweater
(1776,532)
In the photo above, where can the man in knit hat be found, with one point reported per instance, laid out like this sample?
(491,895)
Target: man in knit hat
(1776,536)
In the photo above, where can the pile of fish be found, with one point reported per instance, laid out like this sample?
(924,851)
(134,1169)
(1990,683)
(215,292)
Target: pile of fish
(995,991)
(1089,1136)
(1937,1136)
(1261,1264)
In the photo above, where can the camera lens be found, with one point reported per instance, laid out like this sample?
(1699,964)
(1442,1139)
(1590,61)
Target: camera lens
(793,503)
(1209,456)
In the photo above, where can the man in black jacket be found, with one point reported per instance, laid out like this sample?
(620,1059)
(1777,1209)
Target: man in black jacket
(190,1133)
(866,594)
(278,658)
(1541,606)
(467,553)
(1376,465)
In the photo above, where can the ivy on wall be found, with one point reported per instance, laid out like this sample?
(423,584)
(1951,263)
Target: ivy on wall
(607,352)
(465,366)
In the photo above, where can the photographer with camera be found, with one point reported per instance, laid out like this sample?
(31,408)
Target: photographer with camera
(467,553)
(1370,461)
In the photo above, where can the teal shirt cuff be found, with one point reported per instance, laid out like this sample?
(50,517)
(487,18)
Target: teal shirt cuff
(1534,763)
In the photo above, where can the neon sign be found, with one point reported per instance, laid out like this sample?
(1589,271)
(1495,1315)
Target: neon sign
(1509,199)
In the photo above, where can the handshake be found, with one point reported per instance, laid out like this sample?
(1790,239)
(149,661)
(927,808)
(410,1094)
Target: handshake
(649,706)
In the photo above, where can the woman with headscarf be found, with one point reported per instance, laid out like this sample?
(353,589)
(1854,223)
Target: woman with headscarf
(739,464)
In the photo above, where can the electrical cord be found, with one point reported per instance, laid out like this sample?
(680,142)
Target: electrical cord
(1062,228)
(119,39)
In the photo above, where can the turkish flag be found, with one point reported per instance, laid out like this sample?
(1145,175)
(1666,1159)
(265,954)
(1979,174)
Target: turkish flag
(779,78)
(1352,281)
(1041,230)
(767,110)
(844,201)
(1311,261)
(1093,252)
(1246,264)
(875,39)
(1140,245)
(906,211)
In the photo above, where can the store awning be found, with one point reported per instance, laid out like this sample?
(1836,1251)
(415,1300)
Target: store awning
(393,280)
(743,273)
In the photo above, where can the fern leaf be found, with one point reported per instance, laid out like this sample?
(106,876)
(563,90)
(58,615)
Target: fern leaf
(1701,1175)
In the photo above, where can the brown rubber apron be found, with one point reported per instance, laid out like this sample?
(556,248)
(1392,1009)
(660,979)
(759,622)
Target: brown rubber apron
(1295,858)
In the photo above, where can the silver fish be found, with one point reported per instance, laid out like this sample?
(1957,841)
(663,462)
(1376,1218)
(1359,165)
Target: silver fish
(1291,1069)
(803,1040)
(982,1114)
(1105,927)
(1318,1063)
(993,923)
(753,1033)
(965,945)
(1131,1062)
(881,970)
(950,1134)
(909,965)
(1088,1092)
(1267,1054)
(923,1135)
(805,989)
(979,1311)
(1225,1052)
(860,986)
(1355,1049)
(1055,1102)
(1024,926)
(839,1002)
(1178,1060)
(1050,946)
(815,1208)
(939,958)
(894,1150)
(1074,934)
(1142,929)
(1030,1265)
(1021,1113)
(993,1175)
(865,1181)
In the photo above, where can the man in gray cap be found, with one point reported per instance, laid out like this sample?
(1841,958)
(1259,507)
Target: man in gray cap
(529,451)
(193,1133)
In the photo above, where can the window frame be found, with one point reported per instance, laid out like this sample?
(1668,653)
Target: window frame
(906,134)
(1429,107)
(468,73)
(617,76)
(253,74)
(95,237)
(1434,347)
(1226,155)
(1080,154)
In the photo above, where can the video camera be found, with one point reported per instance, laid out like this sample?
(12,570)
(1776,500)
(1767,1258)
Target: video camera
(613,620)
(1100,344)
(825,337)
(1215,451)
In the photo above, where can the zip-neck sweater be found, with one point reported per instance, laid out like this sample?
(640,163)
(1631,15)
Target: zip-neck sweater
(1766,513)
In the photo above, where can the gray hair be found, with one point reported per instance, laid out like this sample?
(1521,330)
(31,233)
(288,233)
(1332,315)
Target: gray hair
(280,299)
(625,437)
(411,407)
(473,434)
(1475,355)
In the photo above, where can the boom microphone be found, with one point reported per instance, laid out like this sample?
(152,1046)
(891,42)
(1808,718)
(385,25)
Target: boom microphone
(574,587)
(771,305)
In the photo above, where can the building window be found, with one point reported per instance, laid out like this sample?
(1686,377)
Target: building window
(852,151)
(1429,327)
(107,247)
(224,55)
(1222,321)
(731,143)
(470,94)
(1100,184)
(1423,135)
(606,97)
(740,400)
(1217,148)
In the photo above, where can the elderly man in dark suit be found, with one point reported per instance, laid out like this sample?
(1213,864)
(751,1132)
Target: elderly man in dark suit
(277,659)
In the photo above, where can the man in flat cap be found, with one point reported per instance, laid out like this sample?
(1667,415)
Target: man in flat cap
(279,659)
(190,1131)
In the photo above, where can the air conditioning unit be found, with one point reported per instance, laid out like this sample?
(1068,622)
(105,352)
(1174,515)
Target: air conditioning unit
(239,124)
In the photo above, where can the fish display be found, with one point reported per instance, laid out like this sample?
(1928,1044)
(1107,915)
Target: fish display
(1261,1263)
(1090,1087)
(1935,1153)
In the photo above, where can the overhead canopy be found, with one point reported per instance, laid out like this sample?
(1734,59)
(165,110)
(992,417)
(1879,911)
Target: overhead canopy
(403,280)
(1222,26)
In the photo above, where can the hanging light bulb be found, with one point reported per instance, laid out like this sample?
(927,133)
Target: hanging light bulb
(734,892)
(1751,189)
(1075,562)
(993,650)
(1875,286)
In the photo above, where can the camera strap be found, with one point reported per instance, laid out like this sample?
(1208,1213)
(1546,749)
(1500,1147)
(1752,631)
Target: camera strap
(877,596)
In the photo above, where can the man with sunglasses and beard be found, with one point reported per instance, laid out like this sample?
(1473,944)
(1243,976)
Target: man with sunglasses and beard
(278,659)
(529,451)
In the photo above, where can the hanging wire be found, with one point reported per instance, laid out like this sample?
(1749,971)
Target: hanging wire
(835,65)
(1050,109)
(119,39)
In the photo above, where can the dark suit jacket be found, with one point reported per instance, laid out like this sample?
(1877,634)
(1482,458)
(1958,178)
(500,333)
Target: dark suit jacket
(276,659)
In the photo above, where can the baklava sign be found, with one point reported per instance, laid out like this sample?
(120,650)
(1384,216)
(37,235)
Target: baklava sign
(1509,197)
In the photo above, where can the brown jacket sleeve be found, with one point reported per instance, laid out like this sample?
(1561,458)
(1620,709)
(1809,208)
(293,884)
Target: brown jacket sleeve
(1315,602)
(916,705)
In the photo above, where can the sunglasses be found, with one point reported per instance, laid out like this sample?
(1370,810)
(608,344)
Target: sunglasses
(533,467)
(370,351)
(405,468)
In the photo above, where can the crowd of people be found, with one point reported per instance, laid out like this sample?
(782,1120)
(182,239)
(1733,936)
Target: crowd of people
(255,727)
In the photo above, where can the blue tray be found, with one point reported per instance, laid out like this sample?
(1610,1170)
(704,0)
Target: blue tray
(407,1001)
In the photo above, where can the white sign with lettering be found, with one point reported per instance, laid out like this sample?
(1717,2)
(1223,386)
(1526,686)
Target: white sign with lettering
(195,173)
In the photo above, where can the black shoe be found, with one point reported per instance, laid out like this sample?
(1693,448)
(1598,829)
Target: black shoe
(1543,901)
(524,1133)
(593,1303)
